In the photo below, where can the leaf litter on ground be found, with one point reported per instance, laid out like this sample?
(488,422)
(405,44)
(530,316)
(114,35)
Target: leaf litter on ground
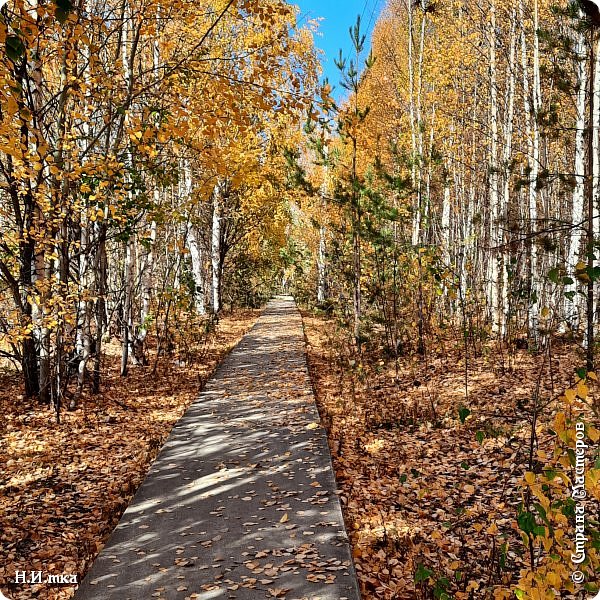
(63,488)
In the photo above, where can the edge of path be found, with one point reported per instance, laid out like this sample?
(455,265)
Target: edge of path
(186,441)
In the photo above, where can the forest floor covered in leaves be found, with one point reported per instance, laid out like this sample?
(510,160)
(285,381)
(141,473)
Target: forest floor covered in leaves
(63,487)
(430,494)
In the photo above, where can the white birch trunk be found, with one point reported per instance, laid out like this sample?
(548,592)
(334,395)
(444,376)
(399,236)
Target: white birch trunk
(83,344)
(445,233)
(574,243)
(411,93)
(147,277)
(418,158)
(215,250)
(196,254)
(128,264)
(147,274)
(321,266)
(427,209)
(533,192)
(493,279)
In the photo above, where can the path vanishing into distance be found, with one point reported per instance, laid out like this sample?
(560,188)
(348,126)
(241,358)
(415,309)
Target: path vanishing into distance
(241,501)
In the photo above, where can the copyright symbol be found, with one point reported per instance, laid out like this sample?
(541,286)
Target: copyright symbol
(577,577)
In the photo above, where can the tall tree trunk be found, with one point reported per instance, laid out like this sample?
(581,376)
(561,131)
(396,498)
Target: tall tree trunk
(215,249)
(100,271)
(196,253)
(146,281)
(446,233)
(418,158)
(43,282)
(534,137)
(493,196)
(322,266)
(83,345)
(127,316)
(128,268)
(589,336)
(574,243)
(411,95)
(356,239)
(322,252)
(427,207)
(29,359)
(506,156)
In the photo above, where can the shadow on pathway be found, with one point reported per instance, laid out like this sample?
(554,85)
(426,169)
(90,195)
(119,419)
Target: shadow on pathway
(240,502)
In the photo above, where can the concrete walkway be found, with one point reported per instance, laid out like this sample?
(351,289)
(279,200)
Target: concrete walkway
(240,502)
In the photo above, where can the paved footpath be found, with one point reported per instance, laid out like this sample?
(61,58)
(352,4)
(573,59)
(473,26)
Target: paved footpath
(241,501)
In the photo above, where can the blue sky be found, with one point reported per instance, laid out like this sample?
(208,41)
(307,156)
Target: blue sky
(338,16)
